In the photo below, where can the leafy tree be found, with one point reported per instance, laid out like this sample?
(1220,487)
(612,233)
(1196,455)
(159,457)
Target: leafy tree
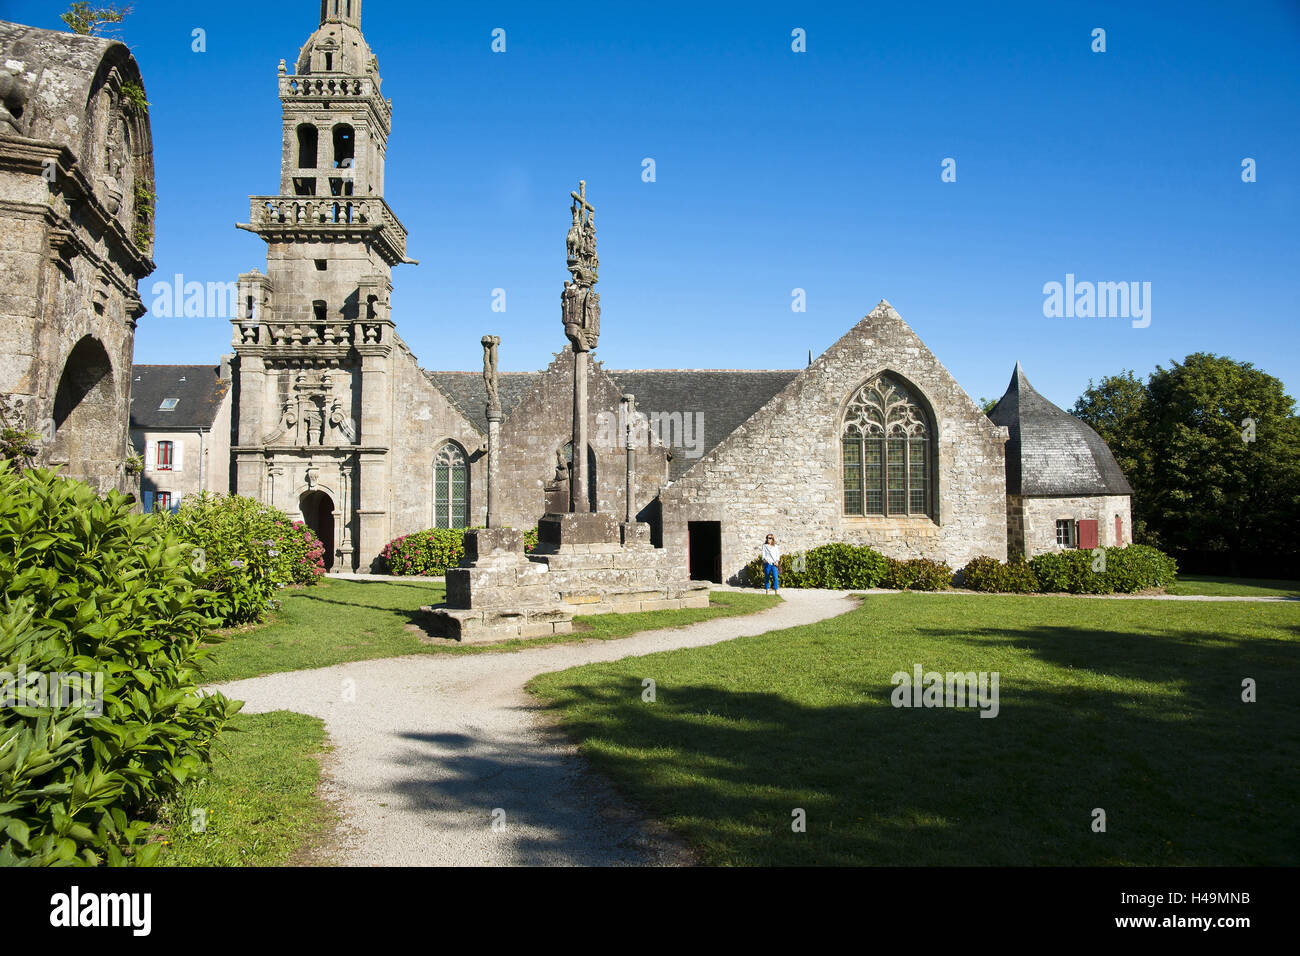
(1224,442)
(82,19)
(1212,449)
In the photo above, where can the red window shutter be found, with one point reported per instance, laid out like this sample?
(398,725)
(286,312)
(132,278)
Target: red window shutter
(1087,535)
(1119,531)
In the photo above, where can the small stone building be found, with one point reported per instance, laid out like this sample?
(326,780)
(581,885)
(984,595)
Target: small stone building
(1064,487)
(76,214)
(180,428)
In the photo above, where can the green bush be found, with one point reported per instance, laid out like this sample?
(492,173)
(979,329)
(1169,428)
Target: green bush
(917,574)
(989,574)
(1136,567)
(87,587)
(431,552)
(834,566)
(244,551)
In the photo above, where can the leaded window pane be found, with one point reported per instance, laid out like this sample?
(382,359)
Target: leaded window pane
(896,475)
(918,470)
(853,476)
(874,477)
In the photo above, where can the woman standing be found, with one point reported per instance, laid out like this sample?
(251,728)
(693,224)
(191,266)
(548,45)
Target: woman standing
(771,564)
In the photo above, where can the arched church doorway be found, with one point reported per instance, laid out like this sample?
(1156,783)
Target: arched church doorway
(318,513)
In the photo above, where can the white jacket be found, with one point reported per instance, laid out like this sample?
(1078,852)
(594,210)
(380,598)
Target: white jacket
(771,554)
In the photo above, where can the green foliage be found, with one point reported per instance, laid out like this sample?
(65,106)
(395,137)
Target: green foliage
(990,574)
(530,541)
(18,444)
(144,209)
(82,19)
(243,552)
(849,567)
(89,588)
(428,552)
(133,93)
(918,574)
(1105,571)
(1212,449)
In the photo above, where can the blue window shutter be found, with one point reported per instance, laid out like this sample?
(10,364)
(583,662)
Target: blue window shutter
(148,502)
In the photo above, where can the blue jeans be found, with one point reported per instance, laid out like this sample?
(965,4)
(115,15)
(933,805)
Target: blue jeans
(771,573)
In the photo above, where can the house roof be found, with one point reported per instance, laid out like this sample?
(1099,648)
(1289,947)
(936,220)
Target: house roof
(717,401)
(1050,452)
(199,390)
(468,393)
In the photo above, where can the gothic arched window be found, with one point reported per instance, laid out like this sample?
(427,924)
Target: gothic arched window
(888,443)
(450,487)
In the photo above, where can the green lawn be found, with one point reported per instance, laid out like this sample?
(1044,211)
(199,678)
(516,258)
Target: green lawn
(1235,587)
(257,805)
(1130,706)
(340,621)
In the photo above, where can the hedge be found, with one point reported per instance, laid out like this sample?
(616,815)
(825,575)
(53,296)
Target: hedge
(432,551)
(1127,570)
(848,567)
(88,588)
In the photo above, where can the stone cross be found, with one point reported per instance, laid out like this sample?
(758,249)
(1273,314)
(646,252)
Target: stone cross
(490,381)
(580,313)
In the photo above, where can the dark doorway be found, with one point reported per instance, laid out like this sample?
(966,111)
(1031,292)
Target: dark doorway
(318,513)
(705,550)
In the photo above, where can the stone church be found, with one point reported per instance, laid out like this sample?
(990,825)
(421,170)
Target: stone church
(334,419)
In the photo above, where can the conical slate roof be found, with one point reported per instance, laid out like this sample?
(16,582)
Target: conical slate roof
(1050,452)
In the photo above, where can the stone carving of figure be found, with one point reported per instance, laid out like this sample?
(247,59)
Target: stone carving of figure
(573,243)
(114,162)
(490,378)
(339,419)
(13,97)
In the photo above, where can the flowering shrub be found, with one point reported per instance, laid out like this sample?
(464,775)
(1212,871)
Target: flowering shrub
(430,552)
(244,551)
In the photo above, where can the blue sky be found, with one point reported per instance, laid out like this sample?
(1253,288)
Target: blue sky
(776,170)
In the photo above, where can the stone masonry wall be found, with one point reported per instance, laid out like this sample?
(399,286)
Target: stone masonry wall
(1041,515)
(780,472)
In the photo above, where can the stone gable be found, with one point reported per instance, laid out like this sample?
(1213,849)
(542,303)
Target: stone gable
(780,471)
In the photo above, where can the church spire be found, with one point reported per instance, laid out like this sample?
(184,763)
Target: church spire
(341,11)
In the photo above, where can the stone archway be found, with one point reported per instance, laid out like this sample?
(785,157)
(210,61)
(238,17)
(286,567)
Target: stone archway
(86,419)
(318,513)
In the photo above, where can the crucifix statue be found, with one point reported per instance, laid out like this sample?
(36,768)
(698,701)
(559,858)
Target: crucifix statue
(580,312)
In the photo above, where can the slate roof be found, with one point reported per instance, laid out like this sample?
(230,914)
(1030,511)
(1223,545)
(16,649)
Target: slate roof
(1050,452)
(468,393)
(719,400)
(200,395)
(723,399)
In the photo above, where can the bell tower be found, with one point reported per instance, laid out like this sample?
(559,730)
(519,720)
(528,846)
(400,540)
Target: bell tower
(314,334)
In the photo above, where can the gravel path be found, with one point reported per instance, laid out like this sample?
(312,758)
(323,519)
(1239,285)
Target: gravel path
(426,748)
